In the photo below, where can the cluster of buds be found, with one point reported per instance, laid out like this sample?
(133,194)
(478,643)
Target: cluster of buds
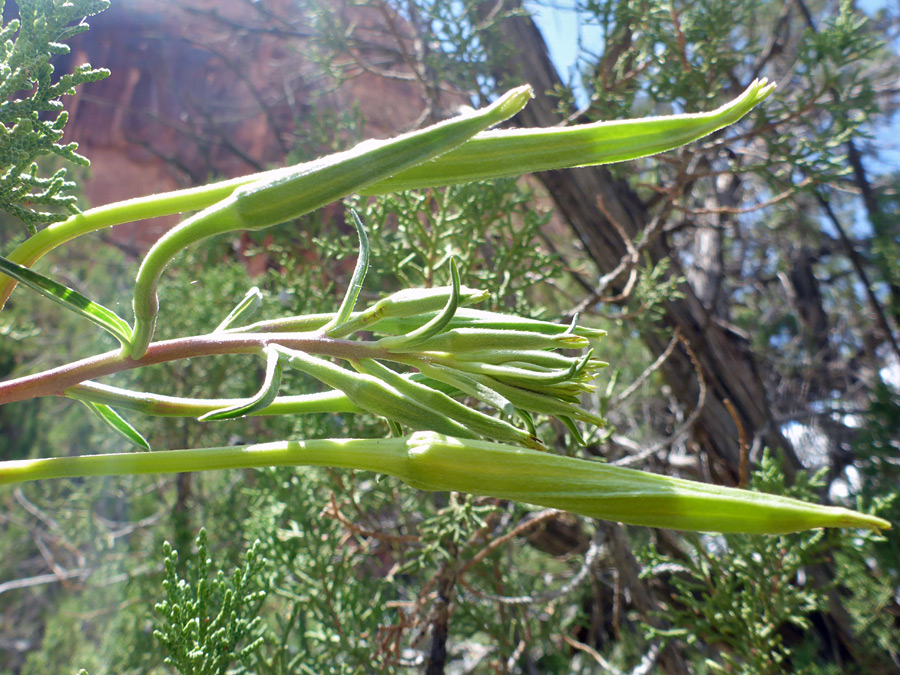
(449,352)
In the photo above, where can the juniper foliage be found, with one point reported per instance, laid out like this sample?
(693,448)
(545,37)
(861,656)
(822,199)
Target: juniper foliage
(208,621)
(32,119)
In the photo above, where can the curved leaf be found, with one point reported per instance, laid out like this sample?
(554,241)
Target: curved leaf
(356,281)
(118,423)
(70,299)
(245,308)
(264,397)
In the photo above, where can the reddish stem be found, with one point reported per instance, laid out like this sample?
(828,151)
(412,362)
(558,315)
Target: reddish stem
(56,380)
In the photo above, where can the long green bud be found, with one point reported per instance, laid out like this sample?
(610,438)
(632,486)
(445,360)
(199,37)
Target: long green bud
(296,191)
(431,461)
(514,152)
(608,492)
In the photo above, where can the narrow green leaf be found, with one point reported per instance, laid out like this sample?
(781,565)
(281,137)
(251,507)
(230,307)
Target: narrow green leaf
(118,423)
(570,425)
(244,309)
(572,325)
(356,281)
(70,299)
(264,397)
(526,417)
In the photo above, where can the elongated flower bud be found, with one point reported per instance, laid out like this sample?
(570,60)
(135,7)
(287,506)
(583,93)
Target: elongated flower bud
(478,318)
(411,302)
(598,490)
(402,311)
(432,461)
(374,395)
(473,420)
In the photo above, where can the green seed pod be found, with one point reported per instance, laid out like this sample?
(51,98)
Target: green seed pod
(611,493)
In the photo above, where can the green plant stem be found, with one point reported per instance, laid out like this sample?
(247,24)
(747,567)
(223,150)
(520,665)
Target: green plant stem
(141,208)
(55,381)
(431,461)
(385,455)
(488,155)
(175,406)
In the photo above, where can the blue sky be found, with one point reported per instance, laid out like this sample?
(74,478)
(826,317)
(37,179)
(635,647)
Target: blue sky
(561,31)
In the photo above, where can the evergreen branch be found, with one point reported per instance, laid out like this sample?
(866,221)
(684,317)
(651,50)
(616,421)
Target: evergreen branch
(27,90)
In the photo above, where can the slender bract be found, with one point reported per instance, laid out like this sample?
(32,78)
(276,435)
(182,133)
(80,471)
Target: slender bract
(431,461)
(432,327)
(244,309)
(118,424)
(263,398)
(356,281)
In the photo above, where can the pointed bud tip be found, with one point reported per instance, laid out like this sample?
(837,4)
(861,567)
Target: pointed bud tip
(864,520)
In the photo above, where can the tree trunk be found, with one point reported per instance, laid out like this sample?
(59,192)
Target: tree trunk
(589,199)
